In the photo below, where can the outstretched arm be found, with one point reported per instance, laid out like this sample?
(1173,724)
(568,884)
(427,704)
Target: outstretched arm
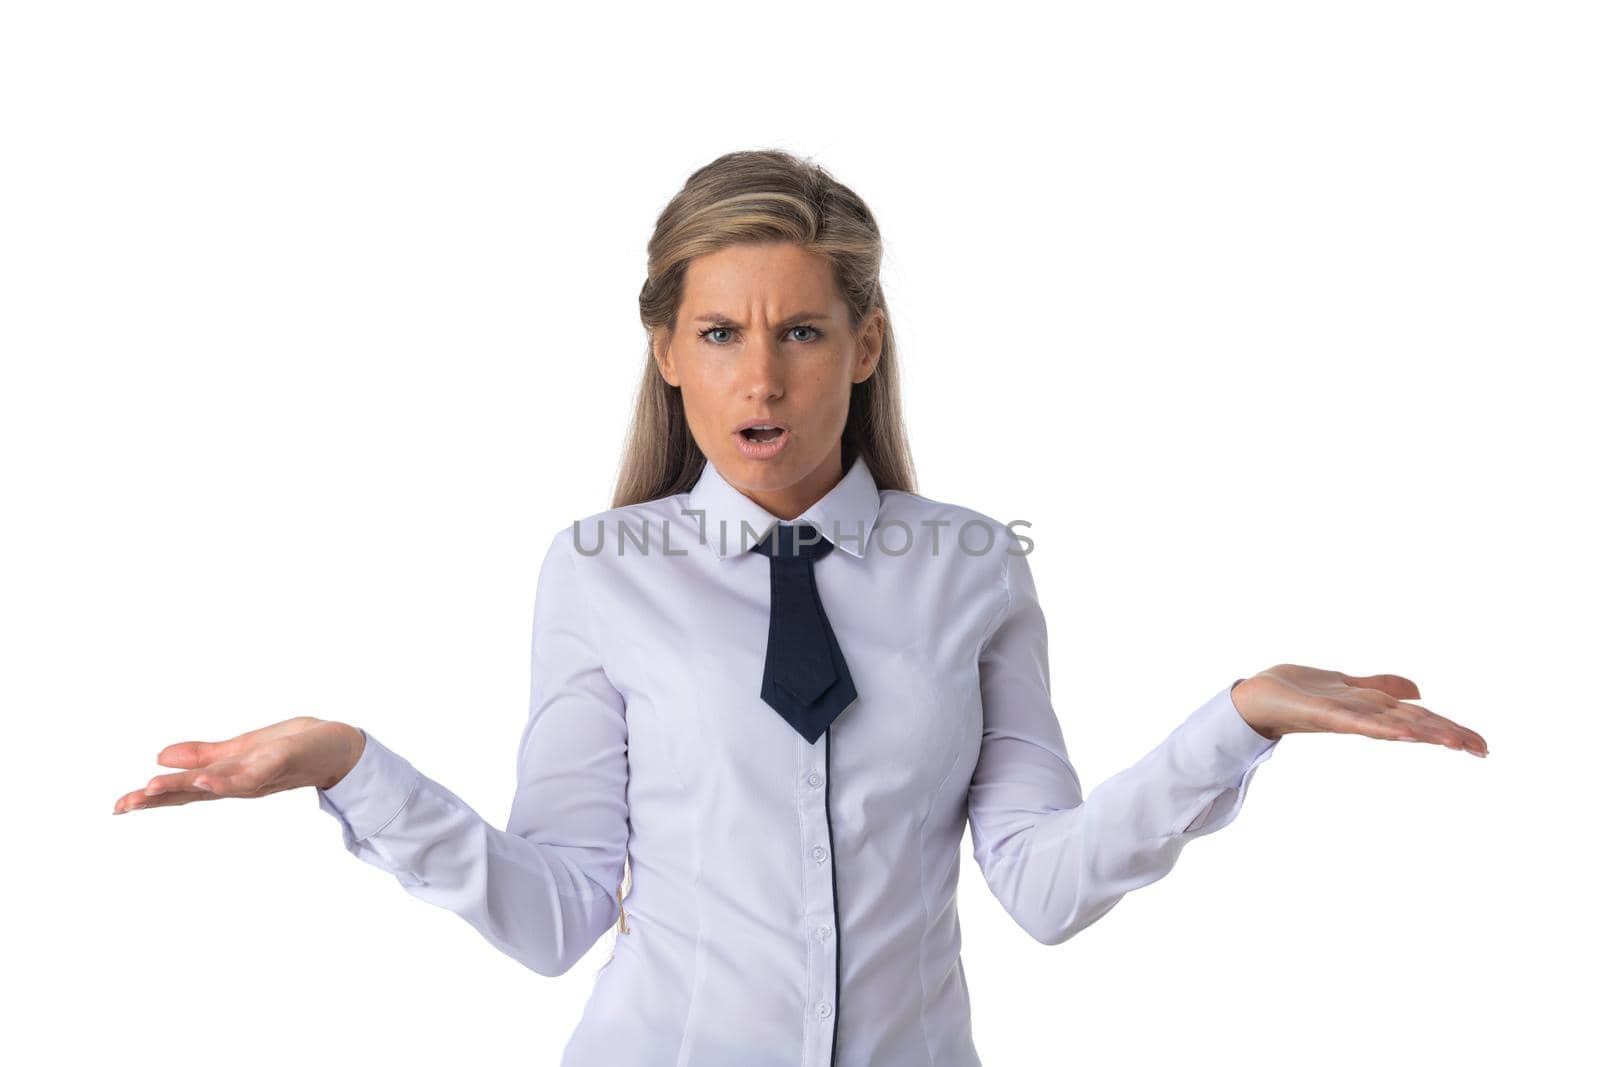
(543,889)
(1058,861)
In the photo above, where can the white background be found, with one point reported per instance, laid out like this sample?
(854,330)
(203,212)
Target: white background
(1277,321)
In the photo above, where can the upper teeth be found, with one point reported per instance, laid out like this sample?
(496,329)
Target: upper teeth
(761,427)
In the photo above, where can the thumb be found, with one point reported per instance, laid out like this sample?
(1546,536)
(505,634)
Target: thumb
(186,754)
(191,754)
(1399,687)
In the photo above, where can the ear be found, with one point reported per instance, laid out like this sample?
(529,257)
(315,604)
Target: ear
(661,351)
(869,347)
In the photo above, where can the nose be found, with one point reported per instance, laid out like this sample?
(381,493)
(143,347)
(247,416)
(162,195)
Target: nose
(762,370)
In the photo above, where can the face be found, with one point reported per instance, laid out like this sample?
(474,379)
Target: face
(763,337)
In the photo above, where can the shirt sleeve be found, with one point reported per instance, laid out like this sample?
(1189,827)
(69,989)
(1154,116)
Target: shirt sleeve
(545,888)
(1059,862)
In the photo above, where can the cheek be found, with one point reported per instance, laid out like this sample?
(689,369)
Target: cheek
(706,391)
(826,391)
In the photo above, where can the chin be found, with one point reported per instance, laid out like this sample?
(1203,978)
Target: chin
(757,473)
(779,472)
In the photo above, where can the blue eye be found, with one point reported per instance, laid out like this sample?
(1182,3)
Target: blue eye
(705,334)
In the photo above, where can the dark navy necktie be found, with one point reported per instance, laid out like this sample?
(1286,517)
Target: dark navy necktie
(806,680)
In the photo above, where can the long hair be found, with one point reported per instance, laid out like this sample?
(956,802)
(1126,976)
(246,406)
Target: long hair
(745,197)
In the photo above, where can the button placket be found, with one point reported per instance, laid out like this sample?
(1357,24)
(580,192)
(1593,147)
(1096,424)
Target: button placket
(818,919)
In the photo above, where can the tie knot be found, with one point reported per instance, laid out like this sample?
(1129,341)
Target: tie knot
(782,542)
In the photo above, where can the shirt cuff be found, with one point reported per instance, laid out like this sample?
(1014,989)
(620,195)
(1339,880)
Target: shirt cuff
(1223,735)
(373,792)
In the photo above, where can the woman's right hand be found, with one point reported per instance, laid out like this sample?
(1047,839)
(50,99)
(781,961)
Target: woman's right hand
(286,755)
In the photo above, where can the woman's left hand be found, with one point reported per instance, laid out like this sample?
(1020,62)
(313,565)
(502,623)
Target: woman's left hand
(1289,699)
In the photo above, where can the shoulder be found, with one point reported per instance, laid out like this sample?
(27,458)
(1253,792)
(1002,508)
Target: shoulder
(591,536)
(942,523)
(981,558)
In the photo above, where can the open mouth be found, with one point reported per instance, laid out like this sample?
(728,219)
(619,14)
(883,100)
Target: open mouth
(762,440)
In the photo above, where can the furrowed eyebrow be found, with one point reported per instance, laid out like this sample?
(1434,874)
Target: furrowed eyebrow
(723,320)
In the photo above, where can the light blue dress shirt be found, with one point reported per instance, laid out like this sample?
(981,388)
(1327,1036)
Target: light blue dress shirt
(791,905)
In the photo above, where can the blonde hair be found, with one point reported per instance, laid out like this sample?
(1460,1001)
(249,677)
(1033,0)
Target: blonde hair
(745,197)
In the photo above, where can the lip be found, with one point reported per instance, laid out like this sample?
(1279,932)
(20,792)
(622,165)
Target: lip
(761,449)
(747,423)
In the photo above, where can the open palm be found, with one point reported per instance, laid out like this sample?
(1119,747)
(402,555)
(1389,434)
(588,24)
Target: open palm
(286,755)
(1290,698)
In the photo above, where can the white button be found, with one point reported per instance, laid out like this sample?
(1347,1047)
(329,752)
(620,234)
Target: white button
(814,778)
(819,853)
(823,931)
(824,1010)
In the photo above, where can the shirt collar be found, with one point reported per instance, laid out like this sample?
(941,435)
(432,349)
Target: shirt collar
(845,515)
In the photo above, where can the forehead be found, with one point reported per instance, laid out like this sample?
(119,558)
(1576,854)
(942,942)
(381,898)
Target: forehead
(772,277)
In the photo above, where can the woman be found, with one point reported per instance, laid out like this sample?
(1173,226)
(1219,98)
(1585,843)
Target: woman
(772,685)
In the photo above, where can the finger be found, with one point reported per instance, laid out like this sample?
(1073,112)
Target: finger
(1394,685)
(252,777)
(1392,722)
(227,778)
(1449,733)
(212,781)
(187,754)
(1472,739)
(1421,724)
(138,799)
(182,780)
